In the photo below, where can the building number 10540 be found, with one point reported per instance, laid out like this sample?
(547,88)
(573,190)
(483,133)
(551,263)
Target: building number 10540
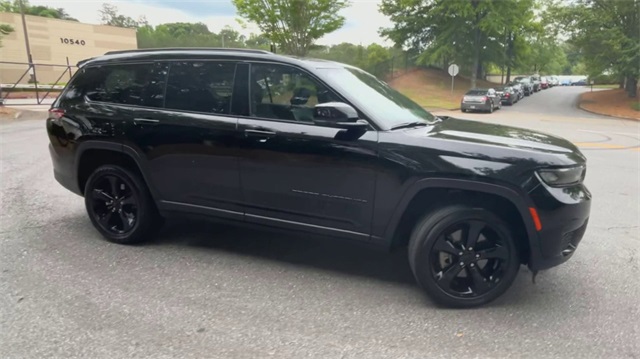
(69,41)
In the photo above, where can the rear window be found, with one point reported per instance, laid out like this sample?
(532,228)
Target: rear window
(128,84)
(477,93)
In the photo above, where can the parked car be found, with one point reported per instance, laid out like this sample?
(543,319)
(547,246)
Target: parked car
(145,134)
(527,83)
(554,81)
(581,82)
(508,95)
(566,82)
(535,80)
(479,99)
(518,88)
(544,83)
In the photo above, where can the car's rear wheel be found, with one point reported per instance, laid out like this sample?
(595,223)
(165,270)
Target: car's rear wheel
(120,205)
(490,107)
(463,256)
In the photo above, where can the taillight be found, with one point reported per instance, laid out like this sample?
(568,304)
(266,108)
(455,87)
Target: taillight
(56,113)
(507,95)
(484,98)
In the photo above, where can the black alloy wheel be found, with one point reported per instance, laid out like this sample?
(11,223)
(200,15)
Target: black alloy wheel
(120,206)
(114,204)
(463,256)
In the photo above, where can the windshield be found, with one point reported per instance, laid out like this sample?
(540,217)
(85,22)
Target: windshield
(376,97)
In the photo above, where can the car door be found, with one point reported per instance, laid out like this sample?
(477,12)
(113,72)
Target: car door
(298,174)
(188,145)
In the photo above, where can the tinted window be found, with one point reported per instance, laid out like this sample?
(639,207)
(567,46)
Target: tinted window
(131,84)
(285,93)
(200,86)
(376,96)
(477,92)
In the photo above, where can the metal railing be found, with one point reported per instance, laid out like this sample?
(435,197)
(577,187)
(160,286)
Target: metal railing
(38,88)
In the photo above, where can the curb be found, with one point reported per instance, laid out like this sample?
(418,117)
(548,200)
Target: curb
(603,114)
(23,115)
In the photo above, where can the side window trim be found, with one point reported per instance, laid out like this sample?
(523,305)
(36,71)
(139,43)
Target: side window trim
(241,94)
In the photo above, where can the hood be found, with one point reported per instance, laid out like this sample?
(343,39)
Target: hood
(466,132)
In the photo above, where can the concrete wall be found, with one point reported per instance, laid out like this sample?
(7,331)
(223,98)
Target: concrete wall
(52,41)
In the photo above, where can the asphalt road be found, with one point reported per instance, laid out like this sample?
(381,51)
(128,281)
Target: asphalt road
(207,291)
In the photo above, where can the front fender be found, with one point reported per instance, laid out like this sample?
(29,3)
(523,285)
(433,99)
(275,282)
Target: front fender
(519,200)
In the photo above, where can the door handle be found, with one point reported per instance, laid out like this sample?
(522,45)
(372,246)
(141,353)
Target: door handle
(145,121)
(259,133)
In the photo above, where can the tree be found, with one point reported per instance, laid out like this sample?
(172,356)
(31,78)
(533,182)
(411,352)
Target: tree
(606,33)
(472,33)
(109,16)
(5,30)
(294,25)
(43,11)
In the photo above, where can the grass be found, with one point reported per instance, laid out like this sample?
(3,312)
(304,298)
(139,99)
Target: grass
(432,101)
(636,105)
(606,86)
(431,88)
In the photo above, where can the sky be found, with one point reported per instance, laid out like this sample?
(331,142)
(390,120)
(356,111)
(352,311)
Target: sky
(361,27)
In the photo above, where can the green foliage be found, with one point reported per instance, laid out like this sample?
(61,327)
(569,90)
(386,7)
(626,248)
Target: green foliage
(607,34)
(109,16)
(5,30)
(294,25)
(545,56)
(471,33)
(44,11)
(195,35)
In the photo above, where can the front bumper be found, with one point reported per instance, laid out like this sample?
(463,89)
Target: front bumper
(564,215)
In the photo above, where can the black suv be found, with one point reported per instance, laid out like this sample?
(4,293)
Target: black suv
(317,147)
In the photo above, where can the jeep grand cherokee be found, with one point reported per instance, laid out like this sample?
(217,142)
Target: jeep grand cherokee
(316,147)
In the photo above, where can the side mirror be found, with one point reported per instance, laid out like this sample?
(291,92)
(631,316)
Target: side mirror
(338,114)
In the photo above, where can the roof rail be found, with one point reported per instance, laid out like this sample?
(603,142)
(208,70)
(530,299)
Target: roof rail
(252,51)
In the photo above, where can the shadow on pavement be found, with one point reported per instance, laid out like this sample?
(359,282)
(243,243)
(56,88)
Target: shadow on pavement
(299,249)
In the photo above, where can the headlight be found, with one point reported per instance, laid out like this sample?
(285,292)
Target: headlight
(559,177)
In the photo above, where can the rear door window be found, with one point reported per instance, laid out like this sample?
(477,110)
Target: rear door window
(200,86)
(127,84)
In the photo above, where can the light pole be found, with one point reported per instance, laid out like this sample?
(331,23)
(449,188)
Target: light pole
(32,68)
(26,34)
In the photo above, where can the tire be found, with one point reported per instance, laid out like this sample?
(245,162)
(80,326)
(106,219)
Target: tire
(432,243)
(463,110)
(120,206)
(491,107)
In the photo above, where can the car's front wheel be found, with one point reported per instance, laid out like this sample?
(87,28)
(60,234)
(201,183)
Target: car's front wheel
(463,256)
(120,205)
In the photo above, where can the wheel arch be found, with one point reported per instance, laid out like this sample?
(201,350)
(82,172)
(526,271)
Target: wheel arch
(429,194)
(92,154)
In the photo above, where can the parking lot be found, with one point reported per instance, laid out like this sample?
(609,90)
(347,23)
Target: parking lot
(203,290)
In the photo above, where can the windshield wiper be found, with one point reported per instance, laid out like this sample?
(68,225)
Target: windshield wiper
(409,124)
